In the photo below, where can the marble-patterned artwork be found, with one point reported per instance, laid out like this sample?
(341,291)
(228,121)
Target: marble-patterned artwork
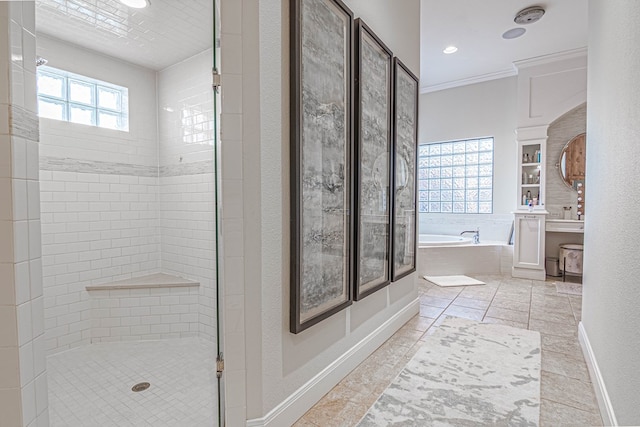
(466,374)
(374,148)
(406,124)
(324,170)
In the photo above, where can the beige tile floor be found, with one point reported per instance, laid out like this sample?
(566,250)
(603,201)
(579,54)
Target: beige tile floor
(567,397)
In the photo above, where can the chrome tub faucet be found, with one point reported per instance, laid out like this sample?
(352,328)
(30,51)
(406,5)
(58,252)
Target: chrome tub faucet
(476,235)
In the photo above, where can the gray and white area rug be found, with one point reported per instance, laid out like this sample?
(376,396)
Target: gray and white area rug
(466,374)
(570,288)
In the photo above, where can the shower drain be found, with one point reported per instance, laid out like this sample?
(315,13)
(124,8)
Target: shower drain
(140,387)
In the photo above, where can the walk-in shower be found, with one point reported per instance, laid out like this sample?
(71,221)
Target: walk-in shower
(128,213)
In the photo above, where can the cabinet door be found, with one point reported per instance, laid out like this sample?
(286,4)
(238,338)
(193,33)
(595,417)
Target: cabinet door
(529,242)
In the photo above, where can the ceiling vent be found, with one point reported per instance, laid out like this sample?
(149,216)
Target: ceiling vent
(529,15)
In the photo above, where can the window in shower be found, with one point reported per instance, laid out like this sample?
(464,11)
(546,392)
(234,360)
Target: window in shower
(79,99)
(456,176)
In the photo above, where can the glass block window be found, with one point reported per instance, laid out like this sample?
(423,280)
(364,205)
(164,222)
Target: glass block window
(456,176)
(78,99)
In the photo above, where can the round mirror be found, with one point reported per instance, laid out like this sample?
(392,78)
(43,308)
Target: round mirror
(573,161)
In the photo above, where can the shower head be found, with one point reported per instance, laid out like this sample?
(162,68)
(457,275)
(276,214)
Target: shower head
(40,61)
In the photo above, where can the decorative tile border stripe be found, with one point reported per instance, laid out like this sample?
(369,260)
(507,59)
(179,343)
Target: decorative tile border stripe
(194,168)
(23,123)
(95,166)
(113,168)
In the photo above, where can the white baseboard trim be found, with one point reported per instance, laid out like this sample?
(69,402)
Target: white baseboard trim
(528,273)
(295,405)
(606,409)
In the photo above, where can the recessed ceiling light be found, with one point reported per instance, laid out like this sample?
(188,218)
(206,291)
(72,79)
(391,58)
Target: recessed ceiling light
(513,33)
(450,49)
(136,4)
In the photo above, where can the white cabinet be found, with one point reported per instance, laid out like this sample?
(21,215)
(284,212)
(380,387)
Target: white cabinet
(529,248)
(531,154)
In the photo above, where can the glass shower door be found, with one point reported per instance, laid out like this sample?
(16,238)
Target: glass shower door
(218,210)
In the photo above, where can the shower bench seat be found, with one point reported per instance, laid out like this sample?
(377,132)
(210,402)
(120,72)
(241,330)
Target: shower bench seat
(157,280)
(155,306)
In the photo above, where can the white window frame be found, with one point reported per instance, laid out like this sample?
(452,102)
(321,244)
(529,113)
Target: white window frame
(121,112)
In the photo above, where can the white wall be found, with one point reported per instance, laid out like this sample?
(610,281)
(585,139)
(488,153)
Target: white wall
(478,110)
(98,196)
(23,378)
(277,362)
(125,204)
(611,295)
(144,314)
(187,179)
(240,227)
(548,87)
(63,139)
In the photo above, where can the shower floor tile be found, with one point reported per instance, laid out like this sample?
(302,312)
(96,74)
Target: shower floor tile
(91,385)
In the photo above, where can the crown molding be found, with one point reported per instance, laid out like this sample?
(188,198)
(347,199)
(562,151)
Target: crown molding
(470,80)
(517,65)
(554,57)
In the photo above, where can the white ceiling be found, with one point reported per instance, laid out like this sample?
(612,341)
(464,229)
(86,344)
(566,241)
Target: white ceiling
(476,28)
(155,37)
(168,32)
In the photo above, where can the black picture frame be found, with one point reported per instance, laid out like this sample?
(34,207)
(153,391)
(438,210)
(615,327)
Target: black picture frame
(373,162)
(321,156)
(405,146)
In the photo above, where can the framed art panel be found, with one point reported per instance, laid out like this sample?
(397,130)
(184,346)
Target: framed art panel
(405,144)
(321,160)
(373,123)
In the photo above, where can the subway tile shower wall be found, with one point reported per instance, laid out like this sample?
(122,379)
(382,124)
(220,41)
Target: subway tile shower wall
(187,179)
(118,205)
(99,197)
(144,314)
(97,228)
(188,238)
(23,377)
